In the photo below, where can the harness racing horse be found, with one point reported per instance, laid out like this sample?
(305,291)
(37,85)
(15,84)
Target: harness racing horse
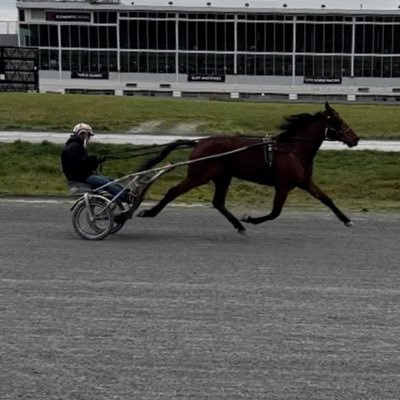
(290,164)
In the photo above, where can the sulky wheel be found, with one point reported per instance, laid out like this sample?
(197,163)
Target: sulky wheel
(117,226)
(92,220)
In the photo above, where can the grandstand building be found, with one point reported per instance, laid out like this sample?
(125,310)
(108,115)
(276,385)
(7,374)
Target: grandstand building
(289,49)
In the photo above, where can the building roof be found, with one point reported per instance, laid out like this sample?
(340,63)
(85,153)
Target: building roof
(268,4)
(363,6)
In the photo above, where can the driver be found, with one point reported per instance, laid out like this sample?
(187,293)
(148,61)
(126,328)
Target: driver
(79,166)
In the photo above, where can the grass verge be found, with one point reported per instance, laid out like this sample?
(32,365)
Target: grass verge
(52,112)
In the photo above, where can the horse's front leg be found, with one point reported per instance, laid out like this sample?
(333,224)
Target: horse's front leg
(221,189)
(316,192)
(279,200)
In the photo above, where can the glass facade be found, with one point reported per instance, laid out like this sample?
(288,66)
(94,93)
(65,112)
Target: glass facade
(220,44)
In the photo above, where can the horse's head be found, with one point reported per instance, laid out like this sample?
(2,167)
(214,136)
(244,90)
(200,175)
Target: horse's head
(337,129)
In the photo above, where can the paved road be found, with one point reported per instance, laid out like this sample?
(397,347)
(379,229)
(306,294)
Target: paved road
(142,139)
(182,307)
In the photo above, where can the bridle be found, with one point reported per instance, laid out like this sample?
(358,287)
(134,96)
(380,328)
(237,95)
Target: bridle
(338,134)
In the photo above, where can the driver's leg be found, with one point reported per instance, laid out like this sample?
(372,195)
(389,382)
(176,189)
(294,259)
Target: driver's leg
(95,181)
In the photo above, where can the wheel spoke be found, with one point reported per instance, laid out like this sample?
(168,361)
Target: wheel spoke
(94,223)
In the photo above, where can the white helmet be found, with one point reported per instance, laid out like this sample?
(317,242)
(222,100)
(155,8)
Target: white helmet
(82,128)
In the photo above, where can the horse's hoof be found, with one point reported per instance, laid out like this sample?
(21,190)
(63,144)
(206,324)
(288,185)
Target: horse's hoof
(349,224)
(242,232)
(245,218)
(143,214)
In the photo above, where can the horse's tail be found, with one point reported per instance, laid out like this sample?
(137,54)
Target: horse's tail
(182,143)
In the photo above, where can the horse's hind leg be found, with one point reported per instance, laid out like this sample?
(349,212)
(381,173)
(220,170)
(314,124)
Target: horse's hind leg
(279,200)
(221,189)
(187,184)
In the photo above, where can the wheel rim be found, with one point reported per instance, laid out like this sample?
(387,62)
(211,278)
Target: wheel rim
(93,225)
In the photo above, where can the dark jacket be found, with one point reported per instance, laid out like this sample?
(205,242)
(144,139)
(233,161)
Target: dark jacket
(76,163)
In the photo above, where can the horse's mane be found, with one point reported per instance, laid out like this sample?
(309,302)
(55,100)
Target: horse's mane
(295,123)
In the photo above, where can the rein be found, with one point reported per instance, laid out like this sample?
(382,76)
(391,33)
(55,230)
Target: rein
(123,155)
(172,166)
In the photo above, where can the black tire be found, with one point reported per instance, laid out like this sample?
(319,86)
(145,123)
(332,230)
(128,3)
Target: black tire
(117,226)
(98,227)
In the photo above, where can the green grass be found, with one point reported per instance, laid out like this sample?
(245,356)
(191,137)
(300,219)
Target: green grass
(357,180)
(51,112)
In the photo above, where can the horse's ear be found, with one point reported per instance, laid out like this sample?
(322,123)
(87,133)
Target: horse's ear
(327,106)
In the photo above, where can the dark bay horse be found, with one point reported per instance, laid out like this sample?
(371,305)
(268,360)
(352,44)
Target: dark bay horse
(288,165)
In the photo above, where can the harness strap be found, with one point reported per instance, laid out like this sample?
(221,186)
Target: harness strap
(268,150)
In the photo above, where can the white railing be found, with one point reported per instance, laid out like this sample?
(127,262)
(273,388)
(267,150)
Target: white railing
(8,27)
(72,1)
(53,1)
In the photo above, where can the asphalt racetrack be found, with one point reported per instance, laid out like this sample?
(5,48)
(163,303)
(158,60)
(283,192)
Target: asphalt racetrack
(182,307)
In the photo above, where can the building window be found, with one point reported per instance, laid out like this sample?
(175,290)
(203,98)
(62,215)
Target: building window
(29,35)
(84,36)
(378,67)
(377,39)
(323,38)
(147,35)
(206,35)
(206,63)
(74,36)
(148,62)
(48,59)
(89,60)
(65,39)
(278,64)
(43,35)
(103,17)
(323,66)
(265,37)
(94,37)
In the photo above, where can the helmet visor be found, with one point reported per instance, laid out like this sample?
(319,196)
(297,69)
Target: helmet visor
(84,132)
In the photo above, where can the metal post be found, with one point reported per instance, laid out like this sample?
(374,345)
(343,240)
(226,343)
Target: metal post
(294,51)
(353,47)
(118,48)
(176,47)
(59,52)
(235,46)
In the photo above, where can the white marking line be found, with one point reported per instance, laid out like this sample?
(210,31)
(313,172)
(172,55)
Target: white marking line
(35,201)
(150,139)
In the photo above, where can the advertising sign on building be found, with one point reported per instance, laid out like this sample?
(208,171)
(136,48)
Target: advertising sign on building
(68,16)
(89,75)
(205,78)
(322,80)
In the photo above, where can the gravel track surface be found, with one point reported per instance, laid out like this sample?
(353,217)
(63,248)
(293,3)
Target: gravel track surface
(182,307)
